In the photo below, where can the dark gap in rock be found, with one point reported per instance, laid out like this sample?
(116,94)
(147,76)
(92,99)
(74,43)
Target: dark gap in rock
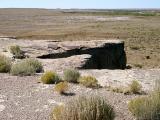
(109,56)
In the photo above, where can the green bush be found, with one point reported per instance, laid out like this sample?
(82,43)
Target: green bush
(146,108)
(84,108)
(50,78)
(88,81)
(71,75)
(26,67)
(5,64)
(135,87)
(17,52)
(61,87)
(36,65)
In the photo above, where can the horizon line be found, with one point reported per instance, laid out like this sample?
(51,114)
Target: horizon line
(72,8)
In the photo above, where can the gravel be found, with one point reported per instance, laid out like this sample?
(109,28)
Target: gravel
(25,98)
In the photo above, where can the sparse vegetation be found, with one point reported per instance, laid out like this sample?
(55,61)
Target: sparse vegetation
(135,87)
(36,65)
(117,89)
(57,111)
(17,52)
(142,29)
(22,69)
(157,85)
(5,64)
(50,78)
(146,108)
(26,67)
(88,81)
(61,87)
(85,108)
(71,75)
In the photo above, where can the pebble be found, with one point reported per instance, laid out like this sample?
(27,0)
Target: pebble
(51,101)
(2,107)
(1,100)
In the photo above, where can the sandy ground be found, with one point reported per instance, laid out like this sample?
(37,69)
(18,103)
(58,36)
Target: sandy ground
(25,98)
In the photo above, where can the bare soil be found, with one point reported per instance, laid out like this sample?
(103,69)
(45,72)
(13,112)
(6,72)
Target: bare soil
(140,33)
(26,98)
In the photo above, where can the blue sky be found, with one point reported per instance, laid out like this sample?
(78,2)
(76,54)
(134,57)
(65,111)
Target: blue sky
(79,3)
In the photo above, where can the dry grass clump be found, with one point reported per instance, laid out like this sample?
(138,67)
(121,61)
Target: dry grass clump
(146,108)
(17,52)
(135,87)
(84,108)
(26,67)
(71,75)
(88,81)
(36,65)
(5,64)
(157,85)
(61,87)
(50,78)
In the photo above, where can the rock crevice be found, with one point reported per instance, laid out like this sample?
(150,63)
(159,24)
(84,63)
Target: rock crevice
(104,54)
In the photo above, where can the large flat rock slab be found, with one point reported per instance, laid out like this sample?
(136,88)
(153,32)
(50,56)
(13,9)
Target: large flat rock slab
(105,54)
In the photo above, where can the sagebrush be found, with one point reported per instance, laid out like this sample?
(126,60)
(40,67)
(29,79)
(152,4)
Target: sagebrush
(26,67)
(84,108)
(61,87)
(71,75)
(17,52)
(89,81)
(50,77)
(135,87)
(146,108)
(5,64)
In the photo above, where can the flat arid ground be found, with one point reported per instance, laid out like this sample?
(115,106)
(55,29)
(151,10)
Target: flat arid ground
(42,32)
(141,33)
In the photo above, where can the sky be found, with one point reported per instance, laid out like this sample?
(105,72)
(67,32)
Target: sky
(66,4)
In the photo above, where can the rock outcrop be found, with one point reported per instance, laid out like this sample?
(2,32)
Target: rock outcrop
(104,54)
(101,54)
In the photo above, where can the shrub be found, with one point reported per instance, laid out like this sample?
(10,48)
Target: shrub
(71,75)
(61,87)
(138,107)
(56,115)
(88,81)
(17,52)
(85,108)
(50,78)
(36,65)
(5,64)
(135,87)
(26,67)
(146,108)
